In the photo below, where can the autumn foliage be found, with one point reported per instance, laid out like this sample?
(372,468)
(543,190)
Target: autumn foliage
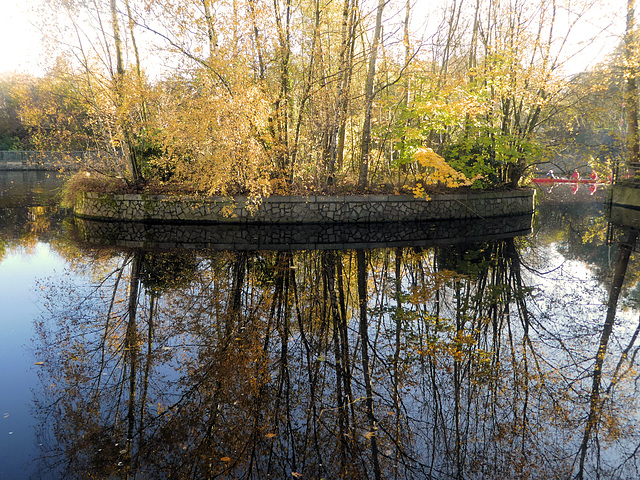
(258,98)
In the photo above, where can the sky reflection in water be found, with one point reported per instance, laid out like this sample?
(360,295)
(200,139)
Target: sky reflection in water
(20,269)
(248,364)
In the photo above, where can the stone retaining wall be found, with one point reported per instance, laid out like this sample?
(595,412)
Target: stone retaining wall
(298,210)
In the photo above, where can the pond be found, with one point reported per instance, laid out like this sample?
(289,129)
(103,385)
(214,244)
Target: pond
(132,352)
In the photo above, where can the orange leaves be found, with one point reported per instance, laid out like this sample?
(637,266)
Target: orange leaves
(216,141)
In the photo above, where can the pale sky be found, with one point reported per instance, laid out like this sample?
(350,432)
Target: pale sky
(20,41)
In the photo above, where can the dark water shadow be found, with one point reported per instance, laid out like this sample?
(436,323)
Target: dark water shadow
(300,236)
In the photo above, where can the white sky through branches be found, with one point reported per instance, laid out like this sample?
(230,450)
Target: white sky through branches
(21,48)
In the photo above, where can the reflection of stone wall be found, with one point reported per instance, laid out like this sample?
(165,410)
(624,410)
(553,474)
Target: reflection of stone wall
(301,236)
(625,196)
(296,209)
(625,217)
(624,206)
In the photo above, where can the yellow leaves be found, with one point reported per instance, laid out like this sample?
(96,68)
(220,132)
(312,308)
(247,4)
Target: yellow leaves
(454,105)
(438,172)
(279,186)
(228,210)
(419,192)
(613,427)
(216,141)
(445,342)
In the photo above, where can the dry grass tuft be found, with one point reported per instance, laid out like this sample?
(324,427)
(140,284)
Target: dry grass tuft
(83,182)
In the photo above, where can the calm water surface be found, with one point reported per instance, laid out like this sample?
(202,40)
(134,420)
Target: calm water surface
(457,359)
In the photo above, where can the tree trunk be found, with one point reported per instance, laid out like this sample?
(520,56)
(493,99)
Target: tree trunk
(369,97)
(129,153)
(280,129)
(256,38)
(211,32)
(134,44)
(631,91)
(131,351)
(614,293)
(366,368)
(333,147)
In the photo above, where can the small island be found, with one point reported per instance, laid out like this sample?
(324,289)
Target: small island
(450,198)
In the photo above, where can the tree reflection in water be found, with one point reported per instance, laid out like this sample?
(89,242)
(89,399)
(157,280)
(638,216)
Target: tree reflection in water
(391,363)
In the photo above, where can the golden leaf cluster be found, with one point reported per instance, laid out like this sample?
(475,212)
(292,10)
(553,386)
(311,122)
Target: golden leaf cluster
(437,172)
